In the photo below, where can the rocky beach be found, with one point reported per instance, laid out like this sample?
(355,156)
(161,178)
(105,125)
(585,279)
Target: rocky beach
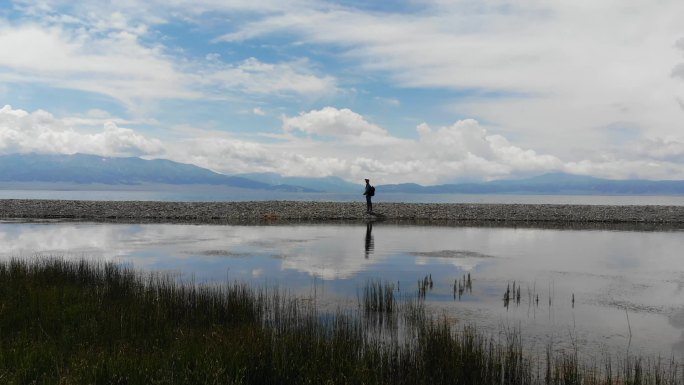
(284,211)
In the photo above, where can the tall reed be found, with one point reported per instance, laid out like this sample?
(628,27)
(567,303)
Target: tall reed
(100,323)
(378,297)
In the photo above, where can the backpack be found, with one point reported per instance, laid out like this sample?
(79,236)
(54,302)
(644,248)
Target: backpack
(371,191)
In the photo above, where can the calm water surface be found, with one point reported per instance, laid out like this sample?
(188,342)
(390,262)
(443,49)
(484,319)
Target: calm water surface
(202,193)
(621,280)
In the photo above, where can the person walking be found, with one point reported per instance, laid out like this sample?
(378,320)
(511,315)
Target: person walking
(369,192)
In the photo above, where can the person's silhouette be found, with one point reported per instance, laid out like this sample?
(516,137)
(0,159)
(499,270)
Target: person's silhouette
(369,239)
(368,193)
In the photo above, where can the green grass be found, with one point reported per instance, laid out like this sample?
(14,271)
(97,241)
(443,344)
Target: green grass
(378,297)
(87,323)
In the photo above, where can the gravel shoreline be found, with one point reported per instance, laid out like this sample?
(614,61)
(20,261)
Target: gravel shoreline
(298,211)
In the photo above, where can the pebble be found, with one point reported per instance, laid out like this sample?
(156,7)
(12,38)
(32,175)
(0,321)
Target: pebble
(288,211)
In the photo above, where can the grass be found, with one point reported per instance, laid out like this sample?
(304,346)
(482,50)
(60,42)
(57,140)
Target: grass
(88,323)
(378,297)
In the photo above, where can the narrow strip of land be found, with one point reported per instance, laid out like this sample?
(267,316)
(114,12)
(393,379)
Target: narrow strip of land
(235,212)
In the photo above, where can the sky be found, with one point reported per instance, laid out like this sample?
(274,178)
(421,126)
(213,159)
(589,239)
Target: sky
(423,91)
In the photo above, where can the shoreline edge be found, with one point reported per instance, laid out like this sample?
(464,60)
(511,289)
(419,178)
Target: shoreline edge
(306,211)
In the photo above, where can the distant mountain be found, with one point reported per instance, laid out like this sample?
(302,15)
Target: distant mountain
(551,183)
(88,169)
(326,184)
(93,169)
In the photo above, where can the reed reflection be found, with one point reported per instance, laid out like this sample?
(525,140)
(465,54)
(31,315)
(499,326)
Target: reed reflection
(606,271)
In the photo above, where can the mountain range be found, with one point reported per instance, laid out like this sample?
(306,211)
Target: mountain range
(325,184)
(86,169)
(93,169)
(550,184)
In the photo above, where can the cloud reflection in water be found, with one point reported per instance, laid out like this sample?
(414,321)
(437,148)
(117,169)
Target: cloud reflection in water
(608,272)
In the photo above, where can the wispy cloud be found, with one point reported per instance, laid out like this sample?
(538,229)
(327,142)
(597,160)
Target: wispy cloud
(254,77)
(115,59)
(116,65)
(504,88)
(552,67)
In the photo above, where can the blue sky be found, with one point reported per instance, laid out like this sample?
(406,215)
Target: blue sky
(426,91)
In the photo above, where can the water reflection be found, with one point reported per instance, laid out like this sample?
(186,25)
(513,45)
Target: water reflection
(369,245)
(587,281)
(212,193)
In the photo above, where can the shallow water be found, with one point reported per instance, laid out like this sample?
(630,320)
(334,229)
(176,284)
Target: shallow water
(205,193)
(628,286)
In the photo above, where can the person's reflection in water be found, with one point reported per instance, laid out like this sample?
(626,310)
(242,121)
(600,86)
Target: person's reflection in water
(369,239)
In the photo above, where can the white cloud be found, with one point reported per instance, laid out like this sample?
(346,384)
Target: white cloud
(465,136)
(109,57)
(40,131)
(466,149)
(116,65)
(543,70)
(543,81)
(342,123)
(253,76)
(97,118)
(463,150)
(223,153)
(661,149)
(616,168)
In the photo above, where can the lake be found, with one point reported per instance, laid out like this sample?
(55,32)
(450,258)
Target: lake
(210,193)
(628,285)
